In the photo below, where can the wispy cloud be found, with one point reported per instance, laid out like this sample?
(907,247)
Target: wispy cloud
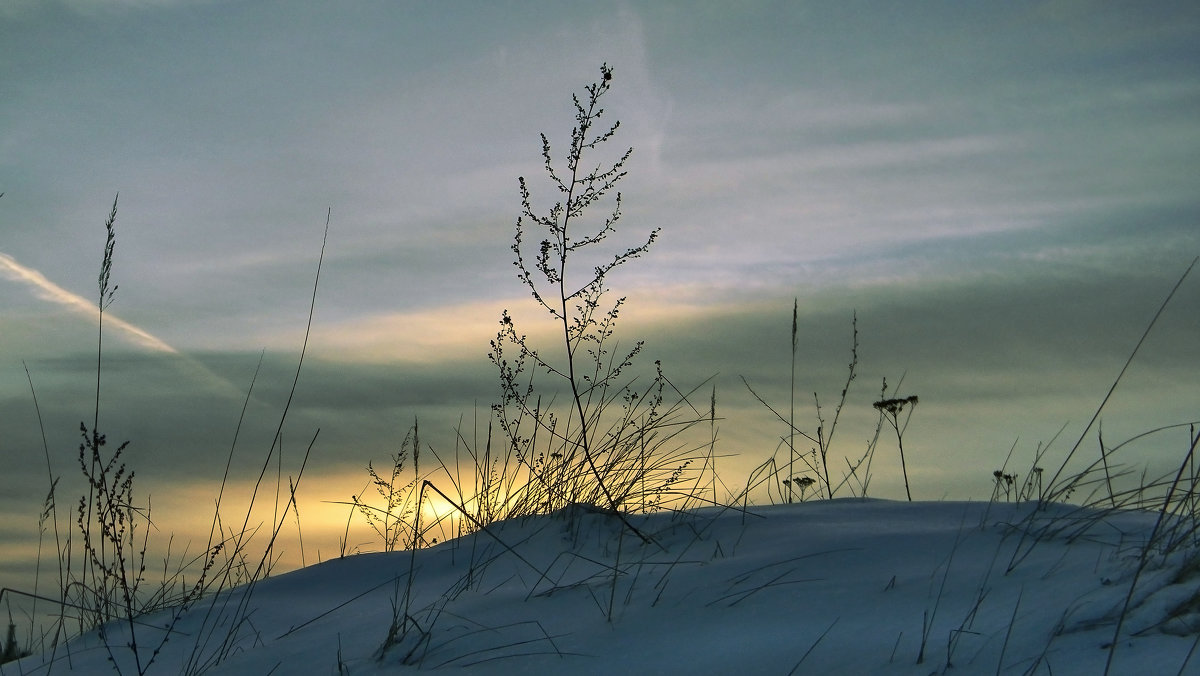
(14,8)
(426,335)
(49,291)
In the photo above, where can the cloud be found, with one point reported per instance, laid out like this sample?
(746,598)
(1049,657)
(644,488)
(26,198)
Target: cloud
(19,8)
(419,336)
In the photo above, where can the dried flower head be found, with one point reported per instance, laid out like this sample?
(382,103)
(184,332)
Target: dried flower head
(894,406)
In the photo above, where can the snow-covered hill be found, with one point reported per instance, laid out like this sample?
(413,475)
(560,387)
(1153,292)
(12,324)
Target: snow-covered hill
(837,587)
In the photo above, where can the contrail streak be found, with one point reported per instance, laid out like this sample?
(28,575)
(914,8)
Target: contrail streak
(47,290)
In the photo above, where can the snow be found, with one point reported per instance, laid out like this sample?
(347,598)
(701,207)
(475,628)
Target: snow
(831,587)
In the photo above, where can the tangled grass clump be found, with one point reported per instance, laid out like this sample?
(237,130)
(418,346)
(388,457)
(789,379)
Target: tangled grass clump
(611,443)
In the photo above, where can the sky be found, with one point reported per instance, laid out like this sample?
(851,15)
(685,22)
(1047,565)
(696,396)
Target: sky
(1002,194)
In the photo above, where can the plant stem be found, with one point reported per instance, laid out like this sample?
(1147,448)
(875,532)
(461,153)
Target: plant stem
(903,465)
(792,408)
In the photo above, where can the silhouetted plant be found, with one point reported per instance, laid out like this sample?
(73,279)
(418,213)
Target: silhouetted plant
(1003,485)
(113,563)
(891,410)
(103,568)
(590,454)
(391,521)
(800,484)
(817,459)
(12,650)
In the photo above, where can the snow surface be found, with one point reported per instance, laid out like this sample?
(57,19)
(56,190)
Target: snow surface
(836,587)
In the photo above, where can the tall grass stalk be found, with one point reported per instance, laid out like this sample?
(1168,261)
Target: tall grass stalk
(1096,476)
(1144,558)
(792,407)
(216,615)
(1056,491)
(49,514)
(822,442)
